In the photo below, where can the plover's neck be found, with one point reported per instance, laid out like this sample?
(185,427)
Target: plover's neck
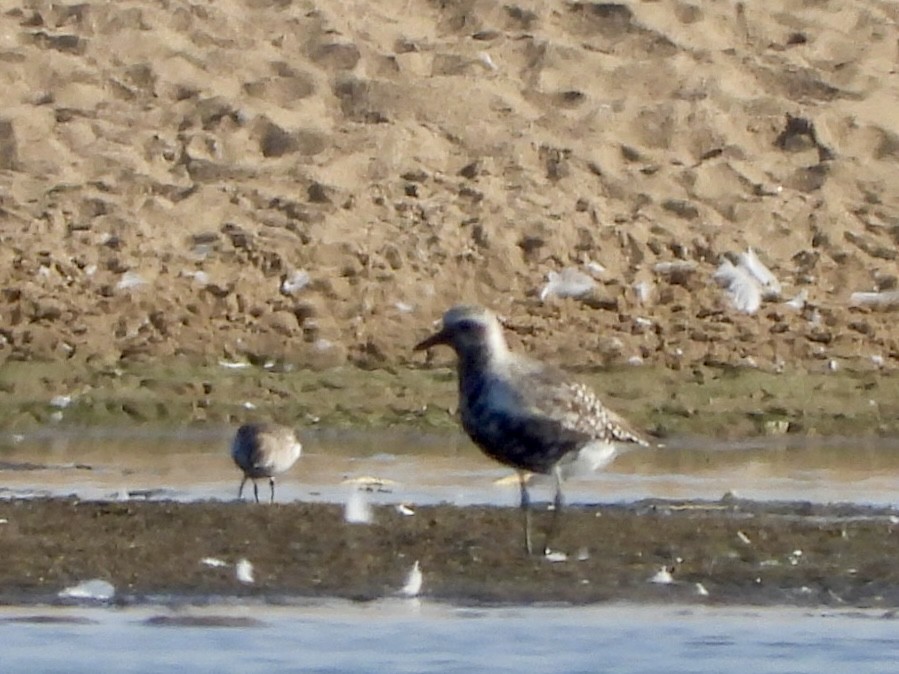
(488,355)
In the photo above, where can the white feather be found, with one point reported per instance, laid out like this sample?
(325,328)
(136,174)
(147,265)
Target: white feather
(244,572)
(669,268)
(757,269)
(99,589)
(130,280)
(569,282)
(799,301)
(644,291)
(594,268)
(413,582)
(487,62)
(745,293)
(881,300)
(213,562)
(357,510)
(295,282)
(61,401)
(662,577)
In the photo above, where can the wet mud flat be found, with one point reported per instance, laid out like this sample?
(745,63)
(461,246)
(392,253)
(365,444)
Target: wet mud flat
(725,552)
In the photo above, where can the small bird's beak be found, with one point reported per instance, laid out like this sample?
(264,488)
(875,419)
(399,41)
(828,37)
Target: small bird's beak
(433,340)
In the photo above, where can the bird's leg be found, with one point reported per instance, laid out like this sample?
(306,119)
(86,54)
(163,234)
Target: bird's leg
(526,510)
(256,490)
(271,483)
(558,503)
(240,491)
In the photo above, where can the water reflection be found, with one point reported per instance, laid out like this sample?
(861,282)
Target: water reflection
(415,467)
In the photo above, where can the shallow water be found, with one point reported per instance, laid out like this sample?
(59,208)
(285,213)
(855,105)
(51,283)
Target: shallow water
(413,636)
(408,636)
(427,468)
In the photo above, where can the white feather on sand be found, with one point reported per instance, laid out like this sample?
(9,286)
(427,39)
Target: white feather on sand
(569,282)
(295,282)
(644,290)
(594,268)
(879,300)
(798,302)
(748,282)
(745,292)
(765,277)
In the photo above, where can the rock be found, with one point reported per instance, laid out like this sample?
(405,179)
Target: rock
(9,157)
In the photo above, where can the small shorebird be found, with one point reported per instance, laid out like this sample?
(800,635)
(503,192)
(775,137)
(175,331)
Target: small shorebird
(263,450)
(526,414)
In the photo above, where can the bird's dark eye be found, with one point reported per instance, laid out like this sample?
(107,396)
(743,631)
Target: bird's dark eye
(465,326)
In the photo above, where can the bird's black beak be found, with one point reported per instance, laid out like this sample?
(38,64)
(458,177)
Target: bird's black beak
(435,339)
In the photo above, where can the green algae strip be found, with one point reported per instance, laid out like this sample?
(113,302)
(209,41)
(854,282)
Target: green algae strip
(721,402)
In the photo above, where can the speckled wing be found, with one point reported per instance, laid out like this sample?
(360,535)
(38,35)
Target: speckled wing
(548,392)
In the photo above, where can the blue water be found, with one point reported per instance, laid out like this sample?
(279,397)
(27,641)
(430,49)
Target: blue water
(407,636)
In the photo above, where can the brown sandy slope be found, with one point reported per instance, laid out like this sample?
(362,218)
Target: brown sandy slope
(164,166)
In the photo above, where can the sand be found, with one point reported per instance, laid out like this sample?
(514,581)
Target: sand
(314,183)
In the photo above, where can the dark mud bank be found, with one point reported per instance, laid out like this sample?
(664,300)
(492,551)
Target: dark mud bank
(728,552)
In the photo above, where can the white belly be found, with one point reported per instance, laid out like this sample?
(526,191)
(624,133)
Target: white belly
(590,458)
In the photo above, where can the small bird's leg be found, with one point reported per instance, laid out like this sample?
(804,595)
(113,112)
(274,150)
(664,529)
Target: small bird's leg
(526,510)
(240,491)
(558,503)
(271,483)
(256,490)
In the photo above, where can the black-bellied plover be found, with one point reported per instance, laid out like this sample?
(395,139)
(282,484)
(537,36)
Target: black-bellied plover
(264,450)
(523,413)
